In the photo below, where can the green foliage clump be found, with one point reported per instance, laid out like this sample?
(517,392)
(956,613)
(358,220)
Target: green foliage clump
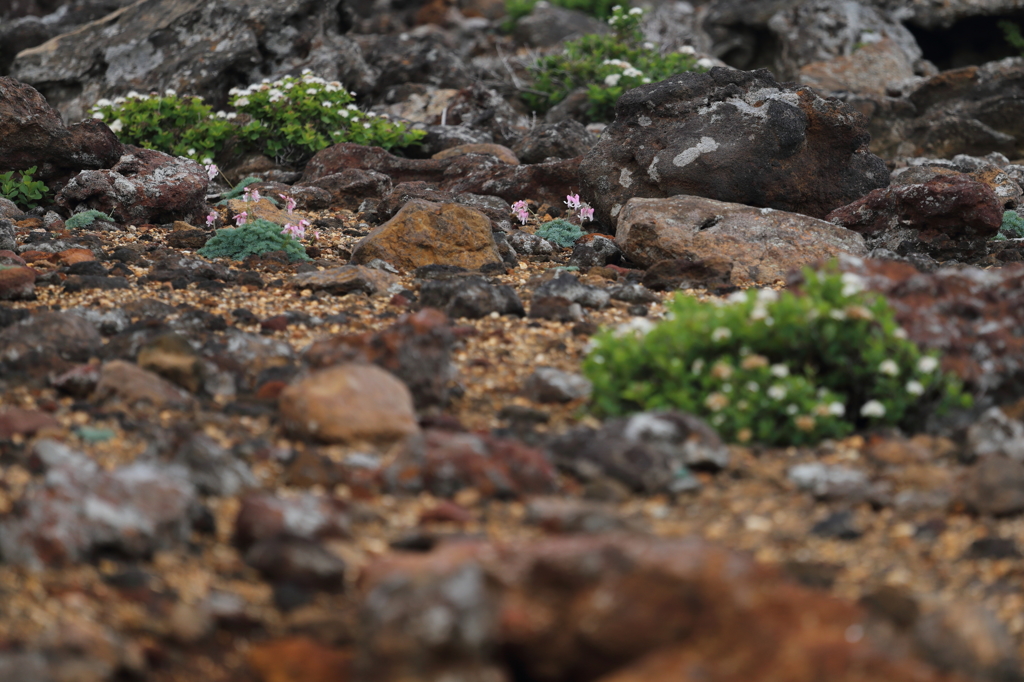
(1012,227)
(289,119)
(25,191)
(783,369)
(517,9)
(254,238)
(86,218)
(1011,32)
(560,232)
(607,65)
(182,126)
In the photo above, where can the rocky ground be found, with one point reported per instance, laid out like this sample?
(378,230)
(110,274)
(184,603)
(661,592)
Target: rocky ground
(379,465)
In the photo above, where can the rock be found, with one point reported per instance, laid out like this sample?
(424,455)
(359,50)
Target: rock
(339,158)
(346,279)
(565,140)
(48,337)
(594,250)
(172,357)
(351,186)
(995,486)
(966,638)
(548,25)
(264,516)
(298,561)
(548,182)
(18,421)
(78,509)
(445,462)
(404,192)
(560,515)
(732,136)
(349,403)
(551,385)
(424,233)
(529,244)
(671,605)
(949,216)
(830,482)
(193,47)
(471,297)
(144,186)
(500,152)
(995,434)
(299,658)
(868,70)
(839,525)
(133,388)
(212,468)
(763,245)
(7,242)
(555,308)
(648,452)
(17,283)
(486,109)
(713,272)
(76,283)
(417,349)
(441,137)
(427,60)
(568,286)
(33,134)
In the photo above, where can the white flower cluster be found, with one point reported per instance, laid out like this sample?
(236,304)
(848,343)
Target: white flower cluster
(280,89)
(628,70)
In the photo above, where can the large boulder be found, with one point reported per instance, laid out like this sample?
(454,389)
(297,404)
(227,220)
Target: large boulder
(732,136)
(33,134)
(201,47)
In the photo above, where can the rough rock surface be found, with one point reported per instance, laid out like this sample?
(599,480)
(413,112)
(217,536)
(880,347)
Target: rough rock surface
(763,244)
(732,136)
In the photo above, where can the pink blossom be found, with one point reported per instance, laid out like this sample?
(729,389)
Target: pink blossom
(212,170)
(211,219)
(289,202)
(296,231)
(316,235)
(519,206)
(255,195)
(240,218)
(523,215)
(572,200)
(586,213)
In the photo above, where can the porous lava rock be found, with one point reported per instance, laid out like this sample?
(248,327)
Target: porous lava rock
(733,136)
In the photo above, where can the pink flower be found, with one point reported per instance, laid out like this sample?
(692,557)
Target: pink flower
(523,215)
(519,206)
(296,231)
(240,218)
(289,202)
(255,195)
(572,200)
(586,213)
(211,219)
(211,170)
(316,235)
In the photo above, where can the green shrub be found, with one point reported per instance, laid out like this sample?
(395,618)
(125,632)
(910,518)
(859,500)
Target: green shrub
(517,9)
(560,232)
(254,238)
(1011,32)
(778,369)
(182,126)
(607,65)
(290,120)
(25,191)
(85,219)
(1012,227)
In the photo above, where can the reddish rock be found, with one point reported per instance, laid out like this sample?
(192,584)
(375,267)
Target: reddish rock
(868,70)
(11,258)
(948,216)
(126,384)
(14,420)
(345,279)
(425,233)
(72,256)
(340,158)
(144,186)
(299,659)
(17,283)
(502,153)
(349,187)
(263,516)
(443,462)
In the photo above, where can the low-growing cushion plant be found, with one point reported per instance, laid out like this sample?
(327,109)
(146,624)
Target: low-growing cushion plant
(86,218)
(254,238)
(24,191)
(781,369)
(606,65)
(560,232)
(1012,227)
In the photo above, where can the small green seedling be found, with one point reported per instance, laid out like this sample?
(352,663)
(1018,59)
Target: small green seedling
(24,192)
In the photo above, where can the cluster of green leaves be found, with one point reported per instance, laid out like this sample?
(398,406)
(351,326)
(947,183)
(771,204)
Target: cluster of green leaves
(25,191)
(254,238)
(517,9)
(560,232)
(86,218)
(783,369)
(1011,32)
(182,126)
(606,65)
(1012,227)
(289,119)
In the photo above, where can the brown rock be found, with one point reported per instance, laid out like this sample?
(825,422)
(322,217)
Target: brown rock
(72,256)
(503,153)
(995,486)
(299,659)
(130,385)
(172,357)
(349,403)
(867,70)
(425,233)
(762,244)
(261,209)
(17,282)
(346,279)
(263,516)
(14,420)
(349,187)
(688,273)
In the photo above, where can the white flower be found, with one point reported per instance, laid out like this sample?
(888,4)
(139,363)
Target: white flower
(721,334)
(119,100)
(289,86)
(231,116)
(915,387)
(103,102)
(753,386)
(207,161)
(837,314)
(872,408)
(836,409)
(311,91)
(687,49)
(900,333)
(777,392)
(792,409)
(274,92)
(222,114)
(927,364)
(234,91)
(632,72)
(191,151)
(132,93)
(636,10)
(780,371)
(326,105)
(767,295)
(117,126)
(612,79)
(307,70)
(852,283)
(170,93)
(366,125)
(645,80)
(758,312)
(737,297)
(705,63)
(698,366)
(241,101)
(351,107)
(649,45)
(636,325)
(343,112)
(98,116)
(889,367)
